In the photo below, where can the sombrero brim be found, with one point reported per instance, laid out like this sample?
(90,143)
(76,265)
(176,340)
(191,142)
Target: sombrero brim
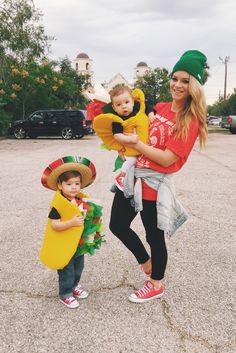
(80,164)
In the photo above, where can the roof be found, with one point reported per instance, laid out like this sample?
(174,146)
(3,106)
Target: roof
(82,56)
(142,63)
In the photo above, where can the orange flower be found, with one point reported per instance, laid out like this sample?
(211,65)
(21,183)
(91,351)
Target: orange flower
(16,87)
(25,73)
(2,91)
(15,71)
(61,82)
(54,88)
(13,95)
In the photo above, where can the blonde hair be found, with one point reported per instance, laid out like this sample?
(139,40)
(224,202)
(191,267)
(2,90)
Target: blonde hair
(119,89)
(195,108)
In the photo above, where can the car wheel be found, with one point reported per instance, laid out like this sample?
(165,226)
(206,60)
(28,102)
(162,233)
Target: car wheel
(67,133)
(19,133)
(233,131)
(80,136)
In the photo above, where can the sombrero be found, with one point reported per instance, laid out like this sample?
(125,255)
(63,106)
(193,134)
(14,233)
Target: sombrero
(80,164)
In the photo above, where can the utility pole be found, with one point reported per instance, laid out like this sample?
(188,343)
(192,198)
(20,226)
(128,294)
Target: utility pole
(225,62)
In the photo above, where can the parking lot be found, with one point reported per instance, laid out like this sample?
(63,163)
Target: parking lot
(197,312)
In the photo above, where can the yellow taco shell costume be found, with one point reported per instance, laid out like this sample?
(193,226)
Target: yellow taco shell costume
(103,126)
(59,247)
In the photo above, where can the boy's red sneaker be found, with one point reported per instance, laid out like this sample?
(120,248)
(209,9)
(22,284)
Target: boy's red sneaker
(146,293)
(79,292)
(71,302)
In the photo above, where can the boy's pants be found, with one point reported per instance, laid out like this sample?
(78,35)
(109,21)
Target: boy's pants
(69,276)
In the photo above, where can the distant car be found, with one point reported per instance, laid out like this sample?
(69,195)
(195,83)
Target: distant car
(214,121)
(232,124)
(229,122)
(88,129)
(66,123)
(225,122)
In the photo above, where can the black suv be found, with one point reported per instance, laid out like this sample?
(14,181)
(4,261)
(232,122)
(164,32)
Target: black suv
(66,123)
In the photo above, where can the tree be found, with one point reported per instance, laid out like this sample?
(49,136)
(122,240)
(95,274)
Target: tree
(35,86)
(155,85)
(224,107)
(80,81)
(22,36)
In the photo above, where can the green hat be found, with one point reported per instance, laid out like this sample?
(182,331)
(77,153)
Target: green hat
(193,62)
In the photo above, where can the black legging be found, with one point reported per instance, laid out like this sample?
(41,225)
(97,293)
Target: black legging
(122,214)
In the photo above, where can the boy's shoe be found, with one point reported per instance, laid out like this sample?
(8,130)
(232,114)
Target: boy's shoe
(71,302)
(79,292)
(148,292)
(119,181)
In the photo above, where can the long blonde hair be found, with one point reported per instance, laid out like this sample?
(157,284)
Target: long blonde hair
(195,108)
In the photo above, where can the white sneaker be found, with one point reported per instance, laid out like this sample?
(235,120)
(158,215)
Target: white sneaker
(79,292)
(71,302)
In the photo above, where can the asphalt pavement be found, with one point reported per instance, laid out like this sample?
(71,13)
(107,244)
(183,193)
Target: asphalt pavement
(197,312)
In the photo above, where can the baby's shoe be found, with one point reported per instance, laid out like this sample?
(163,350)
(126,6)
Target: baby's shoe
(70,302)
(119,181)
(79,292)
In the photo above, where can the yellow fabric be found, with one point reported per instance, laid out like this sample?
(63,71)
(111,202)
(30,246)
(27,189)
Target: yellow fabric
(103,126)
(59,247)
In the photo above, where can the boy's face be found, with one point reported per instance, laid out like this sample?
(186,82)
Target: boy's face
(71,187)
(123,104)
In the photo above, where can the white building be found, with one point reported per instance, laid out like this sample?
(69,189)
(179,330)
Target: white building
(83,65)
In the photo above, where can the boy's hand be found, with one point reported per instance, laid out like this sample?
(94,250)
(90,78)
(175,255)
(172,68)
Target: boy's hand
(77,221)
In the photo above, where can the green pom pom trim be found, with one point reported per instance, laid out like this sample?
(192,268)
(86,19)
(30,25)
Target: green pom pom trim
(92,226)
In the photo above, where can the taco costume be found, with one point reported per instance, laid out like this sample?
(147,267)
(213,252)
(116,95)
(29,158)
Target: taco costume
(103,126)
(59,247)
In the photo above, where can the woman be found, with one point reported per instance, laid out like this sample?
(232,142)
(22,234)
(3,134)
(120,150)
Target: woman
(172,135)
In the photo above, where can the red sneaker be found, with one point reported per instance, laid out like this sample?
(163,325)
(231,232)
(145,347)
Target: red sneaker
(71,302)
(119,181)
(148,292)
(79,292)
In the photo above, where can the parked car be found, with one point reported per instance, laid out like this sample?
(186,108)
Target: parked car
(229,122)
(66,123)
(214,120)
(88,130)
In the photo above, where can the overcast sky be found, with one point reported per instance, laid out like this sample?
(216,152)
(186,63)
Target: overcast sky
(118,34)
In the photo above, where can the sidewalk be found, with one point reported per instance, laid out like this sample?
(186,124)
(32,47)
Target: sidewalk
(196,314)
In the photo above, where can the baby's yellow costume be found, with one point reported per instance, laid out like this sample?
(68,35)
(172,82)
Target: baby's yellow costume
(59,247)
(103,126)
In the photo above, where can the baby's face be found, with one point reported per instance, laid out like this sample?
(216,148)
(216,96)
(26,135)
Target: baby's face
(123,104)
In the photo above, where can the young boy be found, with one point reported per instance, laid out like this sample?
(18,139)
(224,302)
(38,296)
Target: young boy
(130,109)
(71,230)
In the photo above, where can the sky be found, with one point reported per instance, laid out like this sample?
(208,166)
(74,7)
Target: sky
(119,34)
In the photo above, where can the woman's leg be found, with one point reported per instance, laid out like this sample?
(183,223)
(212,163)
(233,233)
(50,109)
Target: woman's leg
(155,238)
(122,214)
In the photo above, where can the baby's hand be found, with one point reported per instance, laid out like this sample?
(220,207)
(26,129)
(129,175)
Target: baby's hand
(77,221)
(131,138)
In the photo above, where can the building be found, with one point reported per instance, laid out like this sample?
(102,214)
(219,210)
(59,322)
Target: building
(141,69)
(83,65)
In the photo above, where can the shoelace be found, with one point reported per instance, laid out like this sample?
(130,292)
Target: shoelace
(70,300)
(143,291)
